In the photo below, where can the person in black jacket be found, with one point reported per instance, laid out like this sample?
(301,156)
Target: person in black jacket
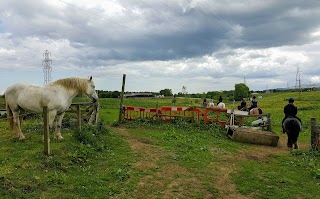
(220,100)
(243,105)
(290,110)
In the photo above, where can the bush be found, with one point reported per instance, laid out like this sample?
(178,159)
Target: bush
(91,136)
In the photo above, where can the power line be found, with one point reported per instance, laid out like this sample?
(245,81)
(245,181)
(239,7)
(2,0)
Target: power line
(46,67)
(298,80)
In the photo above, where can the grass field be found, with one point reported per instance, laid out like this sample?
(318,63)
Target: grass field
(160,160)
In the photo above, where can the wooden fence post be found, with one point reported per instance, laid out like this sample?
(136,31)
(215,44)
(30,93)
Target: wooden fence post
(121,100)
(46,130)
(157,115)
(79,117)
(314,133)
(269,122)
(192,114)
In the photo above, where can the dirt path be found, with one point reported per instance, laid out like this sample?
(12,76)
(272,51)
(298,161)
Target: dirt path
(164,178)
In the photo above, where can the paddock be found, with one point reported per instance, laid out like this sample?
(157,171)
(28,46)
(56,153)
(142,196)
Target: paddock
(81,112)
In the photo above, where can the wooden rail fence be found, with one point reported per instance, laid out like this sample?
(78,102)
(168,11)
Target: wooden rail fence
(2,108)
(93,112)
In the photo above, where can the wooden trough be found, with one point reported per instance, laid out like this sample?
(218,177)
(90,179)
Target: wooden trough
(253,136)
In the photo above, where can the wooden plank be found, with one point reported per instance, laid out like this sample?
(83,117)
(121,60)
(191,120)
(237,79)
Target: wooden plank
(82,103)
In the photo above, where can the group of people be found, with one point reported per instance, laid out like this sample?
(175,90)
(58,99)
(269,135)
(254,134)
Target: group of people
(205,104)
(290,110)
(243,105)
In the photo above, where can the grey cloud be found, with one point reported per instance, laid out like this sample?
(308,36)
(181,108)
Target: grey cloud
(239,35)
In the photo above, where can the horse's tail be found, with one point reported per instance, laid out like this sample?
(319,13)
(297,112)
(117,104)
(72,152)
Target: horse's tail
(260,111)
(295,123)
(9,115)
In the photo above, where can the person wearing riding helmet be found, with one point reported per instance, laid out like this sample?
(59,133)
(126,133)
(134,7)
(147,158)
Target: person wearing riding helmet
(290,110)
(254,103)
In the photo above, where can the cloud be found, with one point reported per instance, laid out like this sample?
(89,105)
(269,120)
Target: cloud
(168,44)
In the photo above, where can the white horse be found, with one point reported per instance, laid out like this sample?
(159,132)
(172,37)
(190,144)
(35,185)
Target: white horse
(211,104)
(221,105)
(57,96)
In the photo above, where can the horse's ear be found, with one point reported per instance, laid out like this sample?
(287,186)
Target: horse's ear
(90,78)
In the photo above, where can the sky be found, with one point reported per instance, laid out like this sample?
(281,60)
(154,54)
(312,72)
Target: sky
(202,45)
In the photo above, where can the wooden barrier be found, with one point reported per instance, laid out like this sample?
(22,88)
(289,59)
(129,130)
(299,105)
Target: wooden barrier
(91,108)
(253,136)
(165,113)
(315,134)
(170,112)
(217,112)
(196,114)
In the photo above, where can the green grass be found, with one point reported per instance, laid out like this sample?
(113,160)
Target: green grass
(173,160)
(76,169)
(283,177)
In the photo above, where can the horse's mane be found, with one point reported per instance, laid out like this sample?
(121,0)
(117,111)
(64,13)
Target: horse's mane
(72,83)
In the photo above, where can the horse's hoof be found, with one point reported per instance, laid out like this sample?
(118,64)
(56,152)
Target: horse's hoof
(59,137)
(22,138)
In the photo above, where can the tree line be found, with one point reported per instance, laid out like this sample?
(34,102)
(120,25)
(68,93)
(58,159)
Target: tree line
(241,91)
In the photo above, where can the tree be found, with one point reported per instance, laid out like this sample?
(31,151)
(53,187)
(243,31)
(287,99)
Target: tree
(240,91)
(166,92)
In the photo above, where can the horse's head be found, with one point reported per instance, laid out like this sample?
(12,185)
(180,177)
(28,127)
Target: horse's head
(91,91)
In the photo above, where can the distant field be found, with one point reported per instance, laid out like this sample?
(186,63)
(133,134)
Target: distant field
(308,105)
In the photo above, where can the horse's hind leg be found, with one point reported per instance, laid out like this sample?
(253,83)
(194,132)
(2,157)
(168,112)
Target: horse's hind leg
(294,141)
(296,145)
(16,125)
(289,142)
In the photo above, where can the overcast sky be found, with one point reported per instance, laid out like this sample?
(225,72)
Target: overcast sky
(204,45)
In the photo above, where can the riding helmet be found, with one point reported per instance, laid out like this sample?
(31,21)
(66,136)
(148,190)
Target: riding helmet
(291,100)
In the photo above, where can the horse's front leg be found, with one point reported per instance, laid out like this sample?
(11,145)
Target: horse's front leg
(16,125)
(57,133)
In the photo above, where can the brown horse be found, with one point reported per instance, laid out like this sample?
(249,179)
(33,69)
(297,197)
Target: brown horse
(255,111)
